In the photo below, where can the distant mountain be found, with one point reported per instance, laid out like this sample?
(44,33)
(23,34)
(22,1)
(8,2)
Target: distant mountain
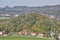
(48,10)
(26,8)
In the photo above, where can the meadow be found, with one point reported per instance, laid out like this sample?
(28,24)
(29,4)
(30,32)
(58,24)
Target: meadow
(20,38)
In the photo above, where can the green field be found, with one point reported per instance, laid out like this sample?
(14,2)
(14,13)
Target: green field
(20,38)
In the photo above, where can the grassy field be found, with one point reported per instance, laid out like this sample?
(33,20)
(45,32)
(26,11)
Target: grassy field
(20,38)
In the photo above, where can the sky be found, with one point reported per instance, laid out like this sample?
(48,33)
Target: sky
(28,2)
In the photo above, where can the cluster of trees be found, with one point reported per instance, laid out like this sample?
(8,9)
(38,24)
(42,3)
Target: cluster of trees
(31,22)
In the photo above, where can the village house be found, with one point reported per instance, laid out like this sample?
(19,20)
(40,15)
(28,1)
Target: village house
(52,34)
(41,34)
(5,34)
(20,33)
(33,33)
(16,15)
(1,33)
(51,16)
(4,15)
(58,18)
(59,37)
(25,33)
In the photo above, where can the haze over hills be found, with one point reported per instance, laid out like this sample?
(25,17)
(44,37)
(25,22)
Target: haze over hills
(47,10)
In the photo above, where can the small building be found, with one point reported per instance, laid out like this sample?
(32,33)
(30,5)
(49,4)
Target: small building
(52,34)
(51,16)
(59,37)
(1,33)
(5,34)
(20,33)
(33,33)
(25,33)
(41,34)
(58,18)
(16,15)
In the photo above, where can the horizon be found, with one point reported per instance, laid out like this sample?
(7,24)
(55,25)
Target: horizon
(30,6)
(29,3)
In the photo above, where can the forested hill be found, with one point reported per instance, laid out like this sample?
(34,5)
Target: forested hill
(32,22)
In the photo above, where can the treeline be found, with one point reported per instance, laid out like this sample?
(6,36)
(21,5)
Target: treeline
(31,22)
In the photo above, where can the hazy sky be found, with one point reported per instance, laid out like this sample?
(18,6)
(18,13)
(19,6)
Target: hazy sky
(28,2)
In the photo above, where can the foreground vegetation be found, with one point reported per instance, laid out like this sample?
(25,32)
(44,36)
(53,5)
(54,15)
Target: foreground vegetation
(20,38)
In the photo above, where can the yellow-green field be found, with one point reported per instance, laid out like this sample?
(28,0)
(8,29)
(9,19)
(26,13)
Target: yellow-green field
(20,38)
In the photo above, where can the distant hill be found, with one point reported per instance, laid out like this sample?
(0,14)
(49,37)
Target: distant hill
(47,10)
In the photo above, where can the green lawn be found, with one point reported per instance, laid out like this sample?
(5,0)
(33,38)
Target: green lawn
(20,38)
